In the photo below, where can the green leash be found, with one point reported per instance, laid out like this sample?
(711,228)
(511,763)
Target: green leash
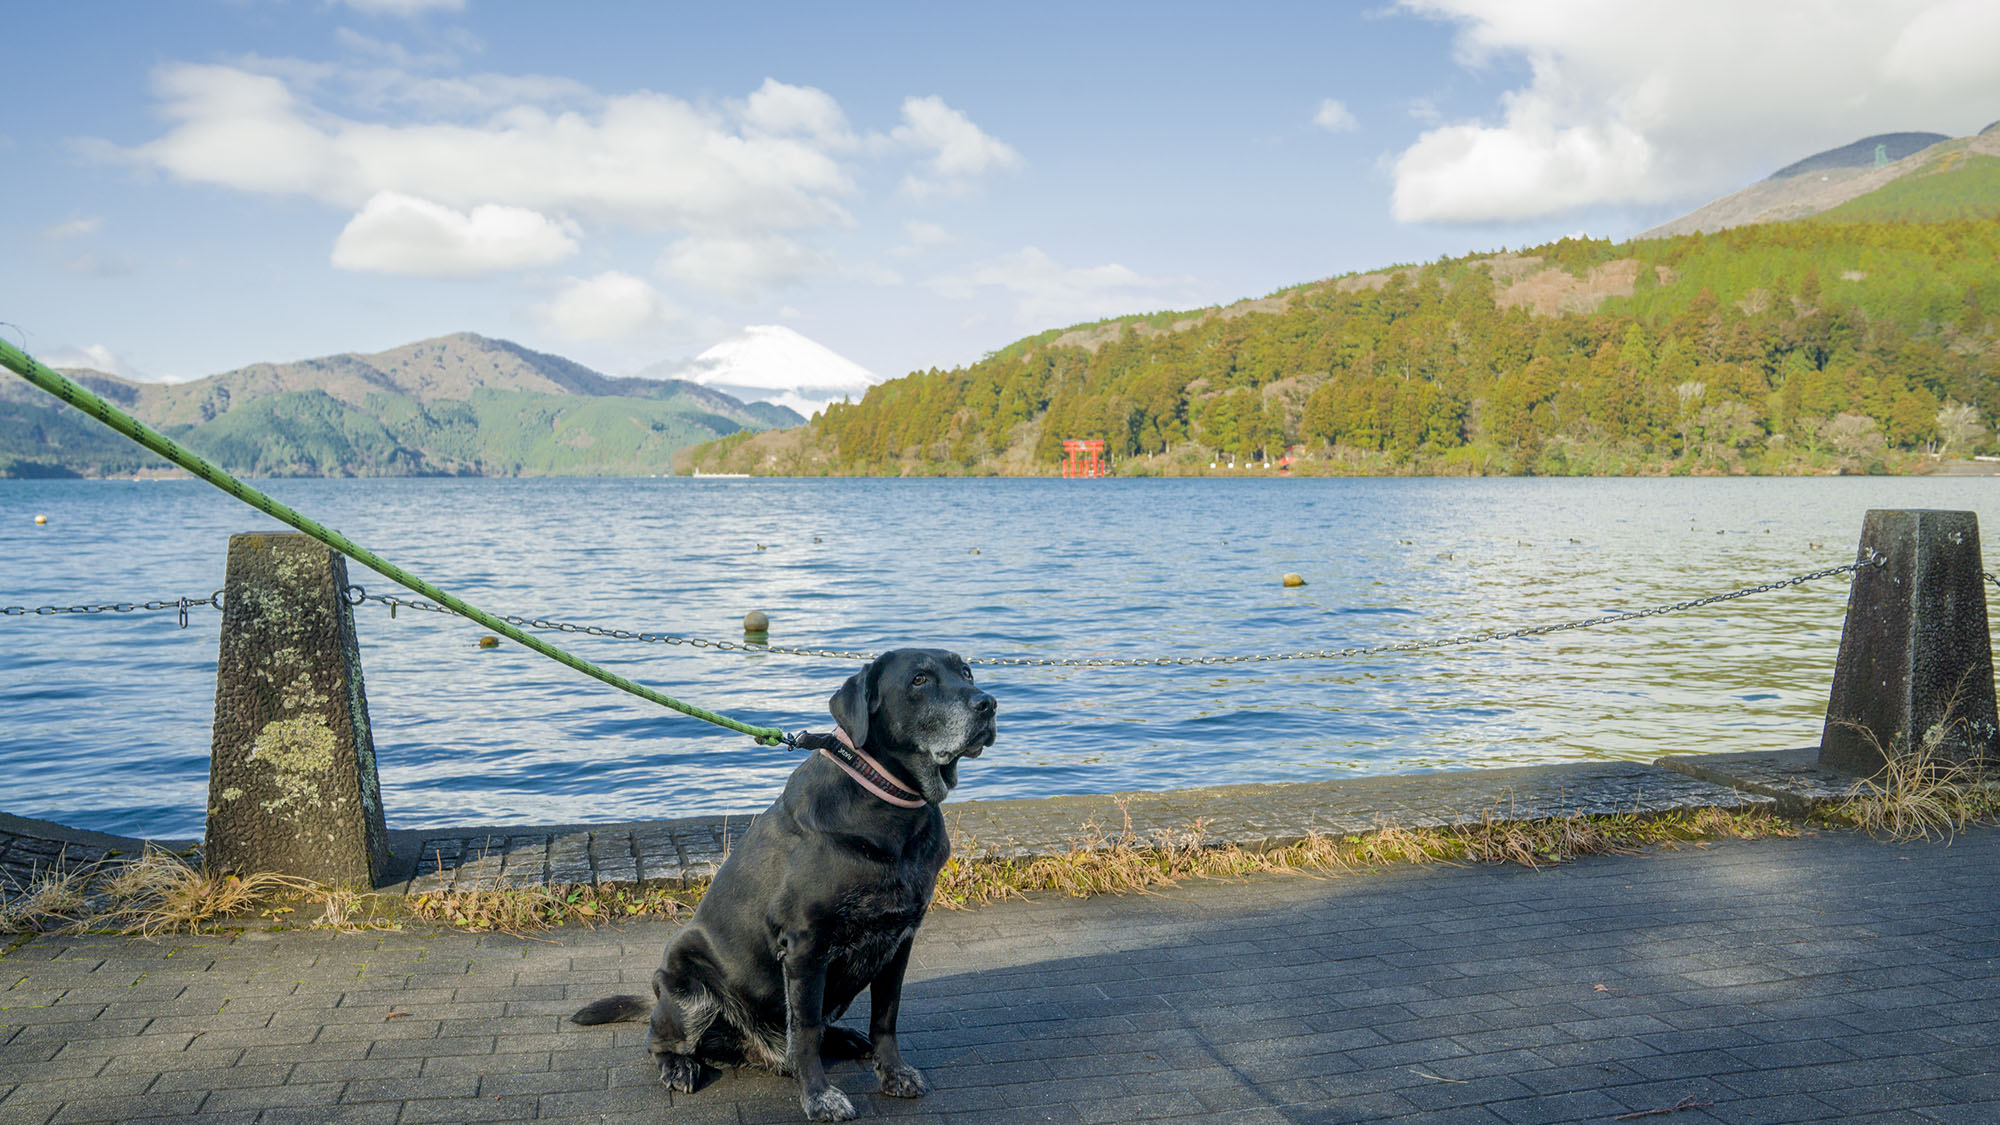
(27,367)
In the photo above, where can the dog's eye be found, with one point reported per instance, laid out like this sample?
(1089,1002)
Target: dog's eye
(920,681)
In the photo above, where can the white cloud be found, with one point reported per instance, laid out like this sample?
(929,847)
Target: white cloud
(401,234)
(610,306)
(647,160)
(1335,117)
(737,266)
(780,109)
(1949,47)
(1048,293)
(919,236)
(1651,101)
(874,273)
(394,54)
(960,151)
(448,175)
(96,357)
(75,228)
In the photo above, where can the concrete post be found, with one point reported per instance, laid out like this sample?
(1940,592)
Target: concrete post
(292,786)
(1915,652)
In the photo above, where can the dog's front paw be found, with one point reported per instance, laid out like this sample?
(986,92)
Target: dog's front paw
(680,1072)
(828,1104)
(903,1081)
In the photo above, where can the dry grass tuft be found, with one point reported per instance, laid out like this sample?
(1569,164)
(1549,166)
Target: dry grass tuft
(162,893)
(1105,862)
(1919,794)
(54,898)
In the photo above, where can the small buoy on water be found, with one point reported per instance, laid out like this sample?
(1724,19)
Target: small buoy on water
(39,518)
(760,546)
(489,641)
(1295,580)
(815,538)
(755,624)
(975,550)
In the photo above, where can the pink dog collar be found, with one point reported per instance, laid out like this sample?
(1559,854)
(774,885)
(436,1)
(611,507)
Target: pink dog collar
(869,774)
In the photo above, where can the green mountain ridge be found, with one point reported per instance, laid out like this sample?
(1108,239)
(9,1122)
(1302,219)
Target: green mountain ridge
(455,405)
(1857,341)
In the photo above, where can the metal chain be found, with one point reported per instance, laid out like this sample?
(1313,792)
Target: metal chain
(181,604)
(356,595)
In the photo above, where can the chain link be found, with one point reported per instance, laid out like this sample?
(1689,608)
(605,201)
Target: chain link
(356,595)
(181,605)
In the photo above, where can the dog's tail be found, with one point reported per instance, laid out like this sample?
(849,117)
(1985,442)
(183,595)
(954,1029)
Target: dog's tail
(612,1009)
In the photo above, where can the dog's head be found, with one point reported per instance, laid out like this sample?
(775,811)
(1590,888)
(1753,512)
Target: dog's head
(918,709)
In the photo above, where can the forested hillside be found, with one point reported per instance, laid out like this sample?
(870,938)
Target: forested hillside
(1812,346)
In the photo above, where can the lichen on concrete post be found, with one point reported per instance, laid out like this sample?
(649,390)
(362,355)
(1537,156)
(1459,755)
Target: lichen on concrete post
(1916,660)
(292,786)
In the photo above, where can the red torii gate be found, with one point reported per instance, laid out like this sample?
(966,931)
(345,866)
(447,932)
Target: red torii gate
(1084,458)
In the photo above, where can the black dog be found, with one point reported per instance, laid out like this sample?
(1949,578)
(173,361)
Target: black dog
(823,895)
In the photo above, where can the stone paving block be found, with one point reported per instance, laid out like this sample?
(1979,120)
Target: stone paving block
(128,1108)
(451,1110)
(559,1081)
(635,1103)
(274,1097)
(380,1113)
(463,1086)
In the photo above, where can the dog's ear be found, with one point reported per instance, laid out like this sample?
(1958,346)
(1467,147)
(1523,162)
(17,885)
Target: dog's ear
(853,703)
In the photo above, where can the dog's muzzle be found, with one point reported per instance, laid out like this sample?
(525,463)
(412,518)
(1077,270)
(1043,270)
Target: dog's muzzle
(980,733)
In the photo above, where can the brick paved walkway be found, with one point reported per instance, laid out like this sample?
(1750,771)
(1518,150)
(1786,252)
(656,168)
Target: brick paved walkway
(1825,978)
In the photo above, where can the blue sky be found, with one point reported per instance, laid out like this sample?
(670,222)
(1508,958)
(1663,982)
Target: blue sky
(201,185)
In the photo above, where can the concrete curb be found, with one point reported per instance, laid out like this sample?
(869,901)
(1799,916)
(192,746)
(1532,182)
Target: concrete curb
(1257,817)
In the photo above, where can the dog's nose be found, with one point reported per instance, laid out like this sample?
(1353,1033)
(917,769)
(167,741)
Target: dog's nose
(985,704)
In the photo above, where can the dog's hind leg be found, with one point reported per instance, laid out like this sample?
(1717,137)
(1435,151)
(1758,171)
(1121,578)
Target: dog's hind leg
(843,1044)
(682,1011)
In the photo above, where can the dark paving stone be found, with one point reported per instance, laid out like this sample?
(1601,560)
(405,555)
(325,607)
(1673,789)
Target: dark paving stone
(1828,977)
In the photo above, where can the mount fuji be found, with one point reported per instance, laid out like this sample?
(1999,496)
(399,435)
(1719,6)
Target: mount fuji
(772,363)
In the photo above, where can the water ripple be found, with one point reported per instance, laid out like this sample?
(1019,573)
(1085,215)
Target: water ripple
(106,718)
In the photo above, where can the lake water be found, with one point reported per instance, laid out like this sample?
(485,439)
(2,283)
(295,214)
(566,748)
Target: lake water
(104,719)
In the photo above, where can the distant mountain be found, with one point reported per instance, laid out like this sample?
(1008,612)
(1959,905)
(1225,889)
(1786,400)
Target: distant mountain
(1868,152)
(772,363)
(1828,180)
(455,405)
